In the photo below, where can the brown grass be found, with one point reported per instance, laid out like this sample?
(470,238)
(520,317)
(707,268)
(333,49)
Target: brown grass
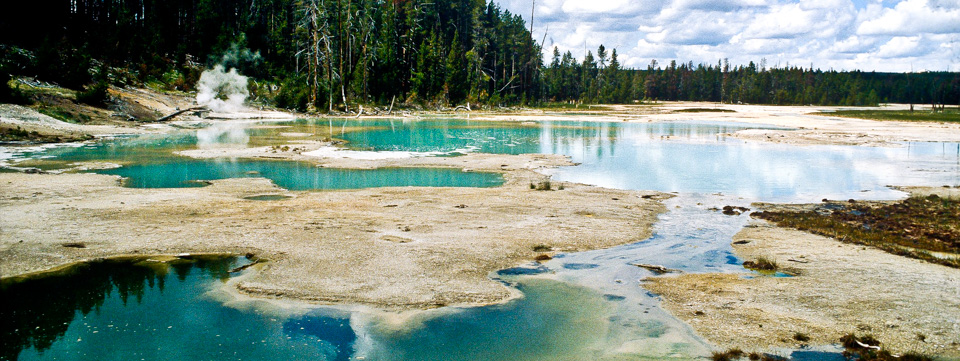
(926,228)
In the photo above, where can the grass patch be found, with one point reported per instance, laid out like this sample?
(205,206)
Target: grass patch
(761,264)
(868,348)
(541,248)
(704,110)
(738,354)
(926,228)
(947,115)
(731,354)
(17,134)
(542,186)
(10,91)
(64,114)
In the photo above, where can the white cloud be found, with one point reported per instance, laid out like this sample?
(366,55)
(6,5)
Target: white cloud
(597,6)
(648,50)
(912,17)
(854,45)
(782,22)
(945,4)
(904,47)
(882,35)
(718,5)
(823,4)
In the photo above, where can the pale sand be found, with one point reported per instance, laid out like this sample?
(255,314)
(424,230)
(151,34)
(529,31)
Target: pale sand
(389,247)
(840,289)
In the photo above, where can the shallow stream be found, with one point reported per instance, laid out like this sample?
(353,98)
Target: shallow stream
(578,306)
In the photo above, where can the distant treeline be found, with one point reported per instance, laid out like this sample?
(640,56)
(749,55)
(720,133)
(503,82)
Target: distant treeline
(326,54)
(601,79)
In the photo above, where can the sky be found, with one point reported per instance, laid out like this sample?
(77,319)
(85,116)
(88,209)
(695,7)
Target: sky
(868,35)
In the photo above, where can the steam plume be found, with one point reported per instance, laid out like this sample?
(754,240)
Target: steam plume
(222,91)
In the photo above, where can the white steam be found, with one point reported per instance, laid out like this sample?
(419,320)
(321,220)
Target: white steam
(222,91)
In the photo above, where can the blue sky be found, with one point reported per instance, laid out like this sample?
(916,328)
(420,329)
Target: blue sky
(880,35)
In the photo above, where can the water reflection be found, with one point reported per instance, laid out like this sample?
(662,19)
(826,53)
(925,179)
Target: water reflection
(768,172)
(38,312)
(140,149)
(554,321)
(119,311)
(335,335)
(221,134)
(136,310)
(686,157)
(448,136)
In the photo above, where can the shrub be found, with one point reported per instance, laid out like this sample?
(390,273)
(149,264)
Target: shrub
(10,94)
(729,355)
(63,64)
(293,95)
(17,134)
(541,248)
(867,348)
(174,80)
(95,94)
(544,186)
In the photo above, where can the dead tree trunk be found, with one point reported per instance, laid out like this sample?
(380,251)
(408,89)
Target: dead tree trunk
(177,113)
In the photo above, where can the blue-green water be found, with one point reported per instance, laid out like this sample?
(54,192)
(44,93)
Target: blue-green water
(686,157)
(453,135)
(129,310)
(150,162)
(296,175)
(119,311)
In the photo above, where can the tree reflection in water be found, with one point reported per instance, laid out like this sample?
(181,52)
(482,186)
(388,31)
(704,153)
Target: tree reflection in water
(39,310)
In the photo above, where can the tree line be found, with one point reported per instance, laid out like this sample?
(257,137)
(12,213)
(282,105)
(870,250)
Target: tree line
(601,79)
(335,54)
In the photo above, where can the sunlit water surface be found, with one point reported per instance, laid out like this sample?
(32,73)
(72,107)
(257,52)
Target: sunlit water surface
(579,306)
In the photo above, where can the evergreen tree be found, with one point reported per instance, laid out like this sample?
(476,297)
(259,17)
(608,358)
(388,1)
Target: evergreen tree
(457,67)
